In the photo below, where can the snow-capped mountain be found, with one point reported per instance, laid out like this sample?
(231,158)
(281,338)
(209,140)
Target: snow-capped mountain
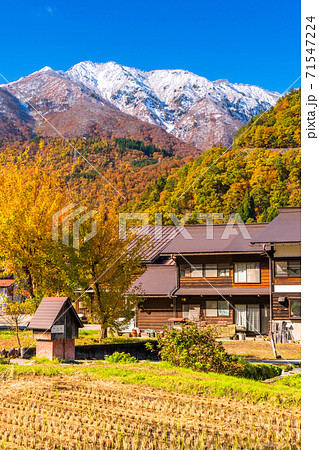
(50,103)
(174,105)
(192,108)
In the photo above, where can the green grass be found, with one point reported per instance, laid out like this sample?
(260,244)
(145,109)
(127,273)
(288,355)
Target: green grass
(285,391)
(44,360)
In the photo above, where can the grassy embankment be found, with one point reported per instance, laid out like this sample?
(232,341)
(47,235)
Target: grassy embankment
(248,349)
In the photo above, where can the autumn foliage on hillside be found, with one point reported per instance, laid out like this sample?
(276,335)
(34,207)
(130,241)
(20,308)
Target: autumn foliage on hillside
(118,169)
(278,128)
(251,183)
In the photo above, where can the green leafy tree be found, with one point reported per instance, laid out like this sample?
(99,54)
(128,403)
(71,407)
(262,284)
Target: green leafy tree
(109,267)
(247,209)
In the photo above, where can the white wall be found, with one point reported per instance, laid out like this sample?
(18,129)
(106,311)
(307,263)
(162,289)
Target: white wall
(287,288)
(294,327)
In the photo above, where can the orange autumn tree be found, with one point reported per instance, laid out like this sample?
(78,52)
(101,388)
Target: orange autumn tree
(30,196)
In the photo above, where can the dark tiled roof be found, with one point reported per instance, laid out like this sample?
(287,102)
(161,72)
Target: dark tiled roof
(48,311)
(223,291)
(158,279)
(154,240)
(226,239)
(285,228)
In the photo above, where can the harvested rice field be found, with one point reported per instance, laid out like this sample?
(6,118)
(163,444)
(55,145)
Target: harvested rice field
(99,407)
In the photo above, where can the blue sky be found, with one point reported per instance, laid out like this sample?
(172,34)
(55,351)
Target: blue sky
(254,42)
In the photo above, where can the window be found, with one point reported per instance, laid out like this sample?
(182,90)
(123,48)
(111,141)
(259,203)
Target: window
(211,270)
(288,268)
(223,270)
(295,308)
(247,272)
(191,312)
(194,271)
(185,270)
(217,270)
(281,269)
(216,308)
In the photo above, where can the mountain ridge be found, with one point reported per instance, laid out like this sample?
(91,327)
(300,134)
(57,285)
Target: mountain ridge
(175,99)
(184,107)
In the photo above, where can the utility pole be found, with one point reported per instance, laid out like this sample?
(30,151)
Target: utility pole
(270,305)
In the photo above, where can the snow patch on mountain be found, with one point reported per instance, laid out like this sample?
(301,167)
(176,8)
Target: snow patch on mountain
(169,98)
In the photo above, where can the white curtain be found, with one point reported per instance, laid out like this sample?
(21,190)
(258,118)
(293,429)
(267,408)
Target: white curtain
(185,311)
(253,272)
(194,312)
(211,270)
(240,273)
(197,270)
(191,312)
(253,318)
(240,315)
(211,308)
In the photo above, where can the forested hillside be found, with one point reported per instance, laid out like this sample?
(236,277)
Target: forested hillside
(252,178)
(252,183)
(278,128)
(117,169)
(142,177)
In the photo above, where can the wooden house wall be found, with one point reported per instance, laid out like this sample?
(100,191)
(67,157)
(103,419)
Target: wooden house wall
(279,311)
(287,280)
(202,302)
(226,281)
(154,312)
(66,318)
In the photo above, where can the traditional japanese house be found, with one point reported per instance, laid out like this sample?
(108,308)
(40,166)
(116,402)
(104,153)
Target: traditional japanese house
(208,273)
(8,290)
(283,236)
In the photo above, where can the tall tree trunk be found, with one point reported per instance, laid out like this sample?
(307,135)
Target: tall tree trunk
(17,334)
(29,282)
(97,297)
(103,331)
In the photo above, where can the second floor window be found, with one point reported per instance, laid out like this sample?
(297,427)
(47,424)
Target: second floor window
(291,268)
(217,270)
(207,270)
(194,271)
(247,272)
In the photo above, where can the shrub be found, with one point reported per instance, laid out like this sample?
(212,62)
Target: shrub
(196,348)
(4,360)
(45,360)
(117,357)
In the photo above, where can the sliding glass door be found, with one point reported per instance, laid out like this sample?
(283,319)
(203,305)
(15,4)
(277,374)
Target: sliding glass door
(248,316)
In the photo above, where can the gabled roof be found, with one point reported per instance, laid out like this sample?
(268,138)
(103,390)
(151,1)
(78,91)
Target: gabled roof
(221,238)
(154,240)
(49,311)
(158,280)
(6,283)
(285,228)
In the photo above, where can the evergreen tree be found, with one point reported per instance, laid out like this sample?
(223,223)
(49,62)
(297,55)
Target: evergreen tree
(247,208)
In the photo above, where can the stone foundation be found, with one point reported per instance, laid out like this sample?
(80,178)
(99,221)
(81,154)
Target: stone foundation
(59,348)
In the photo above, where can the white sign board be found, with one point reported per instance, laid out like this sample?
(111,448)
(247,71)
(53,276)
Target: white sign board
(57,329)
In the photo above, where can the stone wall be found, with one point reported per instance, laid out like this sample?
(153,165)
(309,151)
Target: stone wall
(98,351)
